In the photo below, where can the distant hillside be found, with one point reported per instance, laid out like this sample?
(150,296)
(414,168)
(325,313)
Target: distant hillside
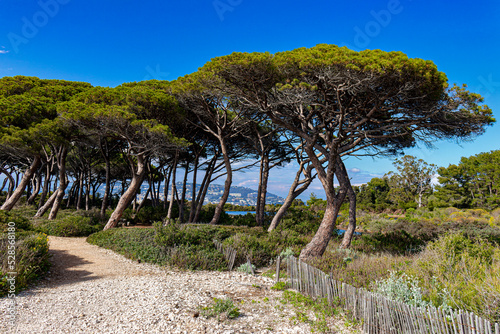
(237,195)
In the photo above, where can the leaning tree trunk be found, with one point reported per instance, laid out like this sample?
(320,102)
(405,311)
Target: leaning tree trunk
(107,189)
(193,190)
(46,183)
(293,193)
(165,186)
(36,189)
(262,192)
(138,175)
(227,183)
(41,211)
(63,183)
(16,195)
(80,191)
(317,246)
(11,181)
(204,188)
(345,182)
(173,190)
(183,196)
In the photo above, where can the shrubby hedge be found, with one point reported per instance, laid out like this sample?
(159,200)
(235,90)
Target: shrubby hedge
(31,252)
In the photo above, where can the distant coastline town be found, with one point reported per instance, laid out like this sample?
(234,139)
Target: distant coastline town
(238,195)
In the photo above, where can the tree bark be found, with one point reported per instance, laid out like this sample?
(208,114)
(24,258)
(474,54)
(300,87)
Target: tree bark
(183,196)
(262,191)
(36,188)
(320,241)
(317,246)
(227,183)
(80,191)
(46,183)
(293,193)
(107,189)
(16,195)
(165,187)
(344,181)
(41,211)
(87,189)
(193,190)
(143,201)
(173,190)
(63,183)
(138,175)
(11,181)
(4,183)
(204,188)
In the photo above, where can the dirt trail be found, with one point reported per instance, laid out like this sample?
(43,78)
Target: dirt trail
(93,290)
(74,260)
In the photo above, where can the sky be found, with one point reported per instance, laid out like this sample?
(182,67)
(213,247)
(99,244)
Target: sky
(109,42)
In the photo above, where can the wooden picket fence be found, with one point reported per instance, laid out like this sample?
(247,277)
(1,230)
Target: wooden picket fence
(382,315)
(229,253)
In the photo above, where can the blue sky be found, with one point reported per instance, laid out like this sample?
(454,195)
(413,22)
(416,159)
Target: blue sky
(110,42)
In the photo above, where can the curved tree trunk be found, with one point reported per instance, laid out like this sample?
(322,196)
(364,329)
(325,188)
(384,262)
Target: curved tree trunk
(183,196)
(138,175)
(193,190)
(320,241)
(107,189)
(11,181)
(204,188)
(227,183)
(344,181)
(4,183)
(165,186)
(80,191)
(46,183)
(262,192)
(174,189)
(36,189)
(16,195)
(293,193)
(41,211)
(317,246)
(63,183)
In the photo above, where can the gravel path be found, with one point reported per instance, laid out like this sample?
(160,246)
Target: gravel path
(94,290)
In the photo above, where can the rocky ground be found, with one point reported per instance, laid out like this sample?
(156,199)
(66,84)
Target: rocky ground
(93,290)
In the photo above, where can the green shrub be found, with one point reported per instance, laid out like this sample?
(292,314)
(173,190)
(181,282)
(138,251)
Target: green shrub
(69,226)
(462,272)
(401,288)
(20,222)
(221,307)
(245,268)
(262,246)
(31,260)
(134,243)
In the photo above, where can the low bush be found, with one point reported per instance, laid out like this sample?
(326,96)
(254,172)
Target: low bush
(20,222)
(461,272)
(262,247)
(356,268)
(134,243)
(31,260)
(221,307)
(69,226)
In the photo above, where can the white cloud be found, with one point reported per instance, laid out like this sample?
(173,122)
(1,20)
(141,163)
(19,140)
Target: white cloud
(4,51)
(354,170)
